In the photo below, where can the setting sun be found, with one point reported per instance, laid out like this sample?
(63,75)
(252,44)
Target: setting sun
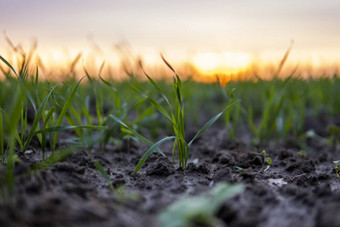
(225,62)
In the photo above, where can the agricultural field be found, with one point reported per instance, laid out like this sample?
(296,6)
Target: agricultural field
(147,152)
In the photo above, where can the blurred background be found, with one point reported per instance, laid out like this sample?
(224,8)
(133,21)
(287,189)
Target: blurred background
(202,39)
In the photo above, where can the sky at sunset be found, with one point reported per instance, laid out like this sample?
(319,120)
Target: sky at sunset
(207,33)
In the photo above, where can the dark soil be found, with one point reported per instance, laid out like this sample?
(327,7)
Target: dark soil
(293,191)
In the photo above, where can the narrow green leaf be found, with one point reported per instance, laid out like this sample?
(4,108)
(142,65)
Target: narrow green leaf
(86,114)
(9,65)
(37,118)
(88,75)
(168,64)
(160,108)
(201,208)
(157,88)
(67,127)
(108,83)
(139,136)
(148,112)
(36,76)
(73,123)
(101,170)
(58,157)
(251,122)
(212,121)
(63,112)
(15,112)
(48,116)
(98,108)
(150,151)
(2,138)
(75,113)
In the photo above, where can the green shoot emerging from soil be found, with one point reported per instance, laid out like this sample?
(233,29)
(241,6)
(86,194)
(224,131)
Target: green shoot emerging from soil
(198,210)
(175,114)
(121,192)
(302,154)
(334,133)
(336,168)
(101,170)
(267,160)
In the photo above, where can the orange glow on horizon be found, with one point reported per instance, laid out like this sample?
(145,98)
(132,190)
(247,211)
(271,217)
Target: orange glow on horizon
(55,63)
(226,65)
(222,63)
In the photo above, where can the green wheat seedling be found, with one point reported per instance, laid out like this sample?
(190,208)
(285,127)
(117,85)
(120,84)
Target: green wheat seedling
(50,123)
(302,154)
(232,116)
(198,210)
(120,191)
(175,114)
(2,145)
(9,128)
(334,133)
(98,95)
(118,110)
(38,116)
(66,110)
(101,170)
(266,159)
(63,113)
(273,105)
(21,82)
(22,139)
(62,155)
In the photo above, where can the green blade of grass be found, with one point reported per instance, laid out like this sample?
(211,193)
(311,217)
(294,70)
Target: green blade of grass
(160,108)
(14,113)
(155,85)
(67,127)
(61,155)
(9,65)
(101,170)
(75,113)
(114,89)
(88,75)
(178,87)
(146,113)
(198,210)
(46,122)
(168,64)
(73,123)
(63,112)
(86,114)
(48,116)
(9,121)
(99,105)
(212,121)
(108,84)
(28,96)
(2,150)
(155,104)
(139,136)
(37,118)
(150,151)
(36,76)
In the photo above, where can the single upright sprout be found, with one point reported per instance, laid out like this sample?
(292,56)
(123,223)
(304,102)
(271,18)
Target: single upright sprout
(267,160)
(302,154)
(334,133)
(174,113)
